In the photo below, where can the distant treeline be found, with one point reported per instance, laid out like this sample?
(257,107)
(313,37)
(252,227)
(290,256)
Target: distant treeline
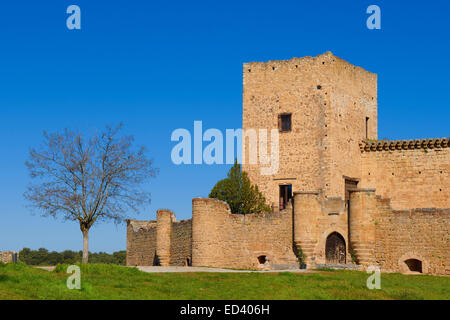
(42,257)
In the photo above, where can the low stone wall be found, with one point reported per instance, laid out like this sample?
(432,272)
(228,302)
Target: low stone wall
(222,239)
(420,234)
(143,245)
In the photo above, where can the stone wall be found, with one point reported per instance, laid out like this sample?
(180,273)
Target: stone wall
(181,243)
(412,173)
(272,88)
(141,243)
(162,242)
(380,235)
(222,239)
(353,99)
(422,234)
(375,232)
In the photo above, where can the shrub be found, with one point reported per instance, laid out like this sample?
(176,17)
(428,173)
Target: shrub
(239,193)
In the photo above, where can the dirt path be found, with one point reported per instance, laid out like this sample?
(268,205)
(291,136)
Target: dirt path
(48,268)
(158,269)
(206,269)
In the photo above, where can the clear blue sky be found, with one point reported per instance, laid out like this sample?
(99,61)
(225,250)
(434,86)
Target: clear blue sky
(160,66)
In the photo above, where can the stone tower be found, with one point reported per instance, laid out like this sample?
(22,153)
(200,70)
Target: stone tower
(323,107)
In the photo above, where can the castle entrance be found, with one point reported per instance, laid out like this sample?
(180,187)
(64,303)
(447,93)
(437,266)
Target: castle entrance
(285,195)
(335,249)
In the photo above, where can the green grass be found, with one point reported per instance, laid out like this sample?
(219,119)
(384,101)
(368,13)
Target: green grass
(116,282)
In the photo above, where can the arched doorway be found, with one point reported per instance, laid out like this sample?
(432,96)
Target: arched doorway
(335,252)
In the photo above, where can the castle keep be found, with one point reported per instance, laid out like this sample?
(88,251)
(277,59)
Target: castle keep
(340,195)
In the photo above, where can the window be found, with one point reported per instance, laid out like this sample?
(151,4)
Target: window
(285,195)
(367,127)
(284,122)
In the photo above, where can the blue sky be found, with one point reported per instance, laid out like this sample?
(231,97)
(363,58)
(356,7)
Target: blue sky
(158,66)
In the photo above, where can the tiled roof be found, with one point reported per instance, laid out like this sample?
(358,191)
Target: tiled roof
(386,145)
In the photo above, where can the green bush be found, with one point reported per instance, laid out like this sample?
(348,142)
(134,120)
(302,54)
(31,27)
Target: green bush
(239,193)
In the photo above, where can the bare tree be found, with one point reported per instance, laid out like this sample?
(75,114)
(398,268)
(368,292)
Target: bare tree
(86,179)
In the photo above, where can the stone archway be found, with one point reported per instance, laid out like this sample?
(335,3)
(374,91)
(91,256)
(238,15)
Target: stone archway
(413,262)
(318,257)
(335,249)
(414,265)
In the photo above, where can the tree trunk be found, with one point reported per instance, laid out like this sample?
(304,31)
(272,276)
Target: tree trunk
(85,246)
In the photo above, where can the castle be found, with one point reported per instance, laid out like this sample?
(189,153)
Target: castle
(340,195)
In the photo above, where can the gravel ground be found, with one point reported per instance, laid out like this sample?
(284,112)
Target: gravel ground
(49,268)
(206,269)
(158,269)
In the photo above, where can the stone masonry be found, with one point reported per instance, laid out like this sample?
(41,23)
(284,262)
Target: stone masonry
(340,195)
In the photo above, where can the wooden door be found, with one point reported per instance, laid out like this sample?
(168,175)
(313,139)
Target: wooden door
(335,249)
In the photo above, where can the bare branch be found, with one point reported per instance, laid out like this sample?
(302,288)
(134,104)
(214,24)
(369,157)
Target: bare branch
(86,179)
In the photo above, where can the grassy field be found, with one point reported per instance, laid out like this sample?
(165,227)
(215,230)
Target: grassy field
(116,282)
